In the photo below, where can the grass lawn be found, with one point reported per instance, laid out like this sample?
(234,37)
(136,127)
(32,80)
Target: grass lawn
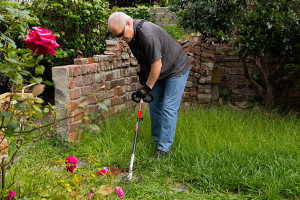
(218,153)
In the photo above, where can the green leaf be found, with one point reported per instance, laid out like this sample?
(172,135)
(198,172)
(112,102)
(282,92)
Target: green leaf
(40,57)
(6,114)
(83,126)
(36,108)
(13,124)
(14,61)
(94,116)
(40,69)
(46,110)
(103,106)
(49,83)
(37,115)
(94,127)
(38,100)
(36,80)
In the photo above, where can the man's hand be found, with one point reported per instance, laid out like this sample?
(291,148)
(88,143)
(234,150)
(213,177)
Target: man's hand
(144,92)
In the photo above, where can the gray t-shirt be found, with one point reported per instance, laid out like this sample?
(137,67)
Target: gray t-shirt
(153,43)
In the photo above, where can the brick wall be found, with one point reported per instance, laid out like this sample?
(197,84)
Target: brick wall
(116,68)
(214,68)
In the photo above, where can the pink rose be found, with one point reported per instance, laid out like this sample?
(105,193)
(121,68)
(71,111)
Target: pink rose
(90,195)
(42,40)
(120,192)
(71,163)
(11,195)
(103,171)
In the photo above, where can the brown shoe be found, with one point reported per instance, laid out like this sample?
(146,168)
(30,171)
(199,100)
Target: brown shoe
(159,155)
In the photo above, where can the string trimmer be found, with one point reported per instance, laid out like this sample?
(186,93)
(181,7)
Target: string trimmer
(147,99)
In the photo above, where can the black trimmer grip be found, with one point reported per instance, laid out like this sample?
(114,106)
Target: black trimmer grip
(148,99)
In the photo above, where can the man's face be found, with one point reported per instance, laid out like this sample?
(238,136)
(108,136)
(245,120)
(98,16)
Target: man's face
(124,33)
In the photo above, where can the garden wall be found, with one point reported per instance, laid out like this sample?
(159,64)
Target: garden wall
(116,70)
(214,69)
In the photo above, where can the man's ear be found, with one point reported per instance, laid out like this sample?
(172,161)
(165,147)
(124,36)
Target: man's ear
(128,23)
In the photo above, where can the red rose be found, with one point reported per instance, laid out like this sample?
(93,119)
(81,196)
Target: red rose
(41,40)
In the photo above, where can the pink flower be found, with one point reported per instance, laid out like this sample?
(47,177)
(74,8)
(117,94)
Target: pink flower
(90,195)
(71,163)
(11,195)
(103,171)
(120,192)
(42,40)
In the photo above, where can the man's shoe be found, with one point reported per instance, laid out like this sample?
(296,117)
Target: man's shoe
(159,155)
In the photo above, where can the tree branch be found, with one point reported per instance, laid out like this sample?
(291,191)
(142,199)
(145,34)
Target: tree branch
(258,87)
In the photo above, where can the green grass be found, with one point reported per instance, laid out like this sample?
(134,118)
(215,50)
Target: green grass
(218,153)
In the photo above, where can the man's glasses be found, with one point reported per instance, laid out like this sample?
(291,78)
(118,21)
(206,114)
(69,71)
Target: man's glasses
(121,34)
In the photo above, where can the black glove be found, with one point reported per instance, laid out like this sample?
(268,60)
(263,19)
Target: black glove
(144,92)
(142,78)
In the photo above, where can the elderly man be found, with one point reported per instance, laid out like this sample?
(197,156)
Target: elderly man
(163,72)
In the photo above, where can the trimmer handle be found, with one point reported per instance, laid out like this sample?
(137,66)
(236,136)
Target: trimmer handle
(148,99)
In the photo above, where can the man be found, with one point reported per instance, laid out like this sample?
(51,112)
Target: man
(163,72)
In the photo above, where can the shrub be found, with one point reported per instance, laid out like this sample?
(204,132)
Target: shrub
(80,26)
(141,12)
(267,30)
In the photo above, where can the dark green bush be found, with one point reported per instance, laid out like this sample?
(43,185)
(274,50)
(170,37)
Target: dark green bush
(80,26)
(141,12)
(267,30)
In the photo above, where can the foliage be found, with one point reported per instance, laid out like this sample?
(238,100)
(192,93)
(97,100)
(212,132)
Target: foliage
(15,22)
(80,26)
(135,3)
(175,31)
(267,30)
(141,12)
(23,118)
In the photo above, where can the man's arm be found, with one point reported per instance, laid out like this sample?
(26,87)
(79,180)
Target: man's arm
(154,73)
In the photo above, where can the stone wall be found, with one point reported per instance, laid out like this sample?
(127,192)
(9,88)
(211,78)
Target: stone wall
(214,69)
(116,69)
(162,16)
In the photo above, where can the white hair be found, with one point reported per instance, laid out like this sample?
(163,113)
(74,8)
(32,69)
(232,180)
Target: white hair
(119,19)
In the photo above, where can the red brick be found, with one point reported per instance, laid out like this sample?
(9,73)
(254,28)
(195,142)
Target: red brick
(81,61)
(84,69)
(75,136)
(76,71)
(91,99)
(75,93)
(73,105)
(70,71)
(86,90)
(113,48)
(113,110)
(114,101)
(78,115)
(3,147)
(74,128)
(118,90)
(71,83)
(109,77)
(78,81)
(201,100)
(91,109)
(91,60)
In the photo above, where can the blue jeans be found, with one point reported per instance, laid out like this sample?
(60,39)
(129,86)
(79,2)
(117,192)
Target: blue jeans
(164,109)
